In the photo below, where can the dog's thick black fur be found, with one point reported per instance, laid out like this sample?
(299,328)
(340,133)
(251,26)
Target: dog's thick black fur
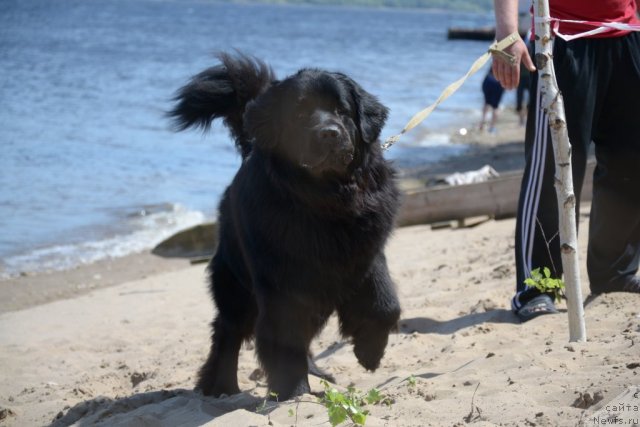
(303,225)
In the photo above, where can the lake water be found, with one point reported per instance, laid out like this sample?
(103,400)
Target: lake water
(88,165)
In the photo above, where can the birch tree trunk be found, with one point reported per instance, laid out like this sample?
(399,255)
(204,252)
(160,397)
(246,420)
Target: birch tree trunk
(553,105)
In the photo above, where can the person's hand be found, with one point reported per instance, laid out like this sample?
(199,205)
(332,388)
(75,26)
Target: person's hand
(507,74)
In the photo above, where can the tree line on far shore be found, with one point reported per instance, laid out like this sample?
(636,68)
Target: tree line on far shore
(461,5)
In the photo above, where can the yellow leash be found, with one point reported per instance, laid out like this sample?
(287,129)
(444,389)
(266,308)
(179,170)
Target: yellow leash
(496,48)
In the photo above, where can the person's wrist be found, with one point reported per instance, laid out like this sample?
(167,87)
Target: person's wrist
(502,32)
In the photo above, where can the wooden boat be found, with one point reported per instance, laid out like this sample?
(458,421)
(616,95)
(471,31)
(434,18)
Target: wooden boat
(461,33)
(495,198)
(481,33)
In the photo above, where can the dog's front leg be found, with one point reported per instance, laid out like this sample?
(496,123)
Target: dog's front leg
(284,331)
(219,375)
(370,314)
(233,324)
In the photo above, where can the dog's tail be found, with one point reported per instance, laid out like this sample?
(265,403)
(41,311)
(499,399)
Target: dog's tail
(222,91)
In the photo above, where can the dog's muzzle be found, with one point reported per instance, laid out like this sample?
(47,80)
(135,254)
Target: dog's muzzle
(337,143)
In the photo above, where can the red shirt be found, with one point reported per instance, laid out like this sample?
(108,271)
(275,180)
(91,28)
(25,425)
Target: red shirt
(623,11)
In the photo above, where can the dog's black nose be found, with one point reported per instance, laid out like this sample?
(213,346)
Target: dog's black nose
(346,157)
(329,134)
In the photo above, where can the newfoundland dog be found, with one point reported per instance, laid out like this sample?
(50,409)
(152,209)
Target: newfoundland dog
(303,225)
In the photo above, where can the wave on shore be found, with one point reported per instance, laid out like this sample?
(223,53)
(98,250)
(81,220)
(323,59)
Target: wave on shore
(147,227)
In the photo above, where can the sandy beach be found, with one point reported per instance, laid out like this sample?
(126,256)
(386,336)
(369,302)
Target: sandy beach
(118,343)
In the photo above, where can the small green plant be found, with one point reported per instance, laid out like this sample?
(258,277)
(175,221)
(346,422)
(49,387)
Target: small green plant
(545,283)
(263,406)
(411,381)
(374,397)
(343,406)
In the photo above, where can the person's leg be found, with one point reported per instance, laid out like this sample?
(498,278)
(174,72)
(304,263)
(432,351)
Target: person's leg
(537,229)
(492,91)
(536,189)
(614,232)
(485,110)
(494,119)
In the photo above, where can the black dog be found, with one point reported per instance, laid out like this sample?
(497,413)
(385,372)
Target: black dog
(303,225)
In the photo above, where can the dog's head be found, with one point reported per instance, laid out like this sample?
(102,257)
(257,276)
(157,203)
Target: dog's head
(321,121)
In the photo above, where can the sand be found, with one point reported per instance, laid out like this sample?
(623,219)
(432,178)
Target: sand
(125,352)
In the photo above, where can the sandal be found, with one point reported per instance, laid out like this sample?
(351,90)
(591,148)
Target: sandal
(542,304)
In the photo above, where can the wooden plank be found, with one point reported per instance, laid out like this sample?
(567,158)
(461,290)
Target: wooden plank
(497,197)
(459,33)
(481,33)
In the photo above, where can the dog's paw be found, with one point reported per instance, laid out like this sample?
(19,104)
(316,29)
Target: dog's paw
(285,391)
(215,389)
(369,351)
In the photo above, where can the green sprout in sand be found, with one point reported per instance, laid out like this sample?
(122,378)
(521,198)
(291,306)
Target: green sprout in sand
(348,406)
(543,282)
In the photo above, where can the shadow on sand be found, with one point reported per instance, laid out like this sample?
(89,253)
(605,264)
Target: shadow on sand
(189,408)
(158,408)
(425,325)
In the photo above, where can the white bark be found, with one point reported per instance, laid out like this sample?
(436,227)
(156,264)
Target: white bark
(553,105)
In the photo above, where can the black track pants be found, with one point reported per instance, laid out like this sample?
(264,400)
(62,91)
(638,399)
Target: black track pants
(600,83)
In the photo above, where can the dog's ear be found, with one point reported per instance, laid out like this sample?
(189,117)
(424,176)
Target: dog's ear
(263,118)
(371,115)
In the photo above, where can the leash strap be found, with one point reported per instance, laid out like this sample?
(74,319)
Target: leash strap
(496,48)
(599,27)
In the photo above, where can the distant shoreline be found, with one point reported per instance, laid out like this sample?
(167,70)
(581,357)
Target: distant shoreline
(479,6)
